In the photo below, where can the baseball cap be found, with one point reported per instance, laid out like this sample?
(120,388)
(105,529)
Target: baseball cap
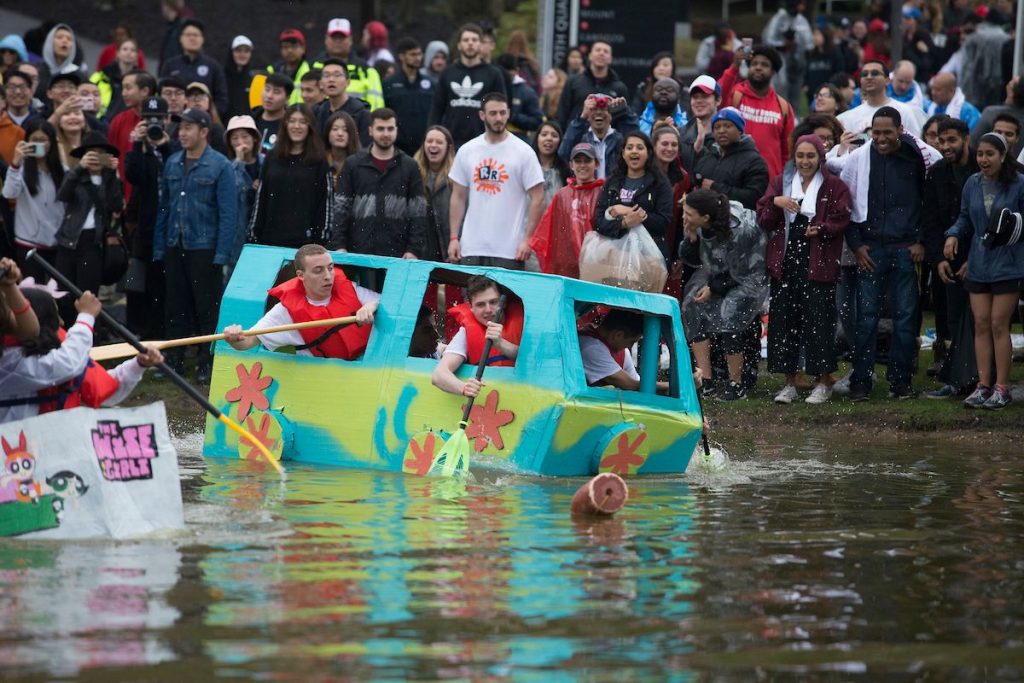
(154,106)
(73,76)
(241,41)
(706,84)
(341,26)
(292,34)
(730,114)
(912,13)
(198,85)
(584,148)
(193,115)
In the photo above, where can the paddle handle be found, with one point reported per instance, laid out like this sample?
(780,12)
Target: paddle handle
(483,362)
(126,334)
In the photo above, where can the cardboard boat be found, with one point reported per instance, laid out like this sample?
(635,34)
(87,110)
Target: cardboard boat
(381,411)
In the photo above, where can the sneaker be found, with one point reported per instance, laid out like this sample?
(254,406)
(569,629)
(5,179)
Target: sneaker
(999,399)
(902,393)
(733,392)
(787,395)
(820,394)
(842,387)
(946,391)
(978,398)
(858,394)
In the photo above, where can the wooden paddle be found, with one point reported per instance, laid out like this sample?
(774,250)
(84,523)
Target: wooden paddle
(125,350)
(193,393)
(454,456)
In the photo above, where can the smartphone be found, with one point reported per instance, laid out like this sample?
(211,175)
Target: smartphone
(748,46)
(860,139)
(88,104)
(37,149)
(104,158)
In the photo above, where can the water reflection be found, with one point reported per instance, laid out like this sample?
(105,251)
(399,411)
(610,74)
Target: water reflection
(809,560)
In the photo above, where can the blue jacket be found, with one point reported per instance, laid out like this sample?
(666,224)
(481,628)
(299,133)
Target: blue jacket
(988,264)
(579,131)
(198,209)
(647,118)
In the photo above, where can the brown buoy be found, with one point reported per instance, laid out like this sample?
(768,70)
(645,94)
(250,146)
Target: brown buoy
(605,494)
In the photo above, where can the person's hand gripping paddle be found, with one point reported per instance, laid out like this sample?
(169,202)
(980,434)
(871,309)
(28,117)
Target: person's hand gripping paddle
(454,457)
(193,393)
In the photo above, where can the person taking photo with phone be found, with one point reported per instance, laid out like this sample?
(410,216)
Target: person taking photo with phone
(32,181)
(594,126)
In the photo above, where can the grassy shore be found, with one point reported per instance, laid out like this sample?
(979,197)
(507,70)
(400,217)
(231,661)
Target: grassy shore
(757,415)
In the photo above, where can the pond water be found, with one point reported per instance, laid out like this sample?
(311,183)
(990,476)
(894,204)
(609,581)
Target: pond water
(821,561)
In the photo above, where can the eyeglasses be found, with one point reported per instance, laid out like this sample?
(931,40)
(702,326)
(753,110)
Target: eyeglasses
(15,86)
(824,93)
(870,74)
(828,140)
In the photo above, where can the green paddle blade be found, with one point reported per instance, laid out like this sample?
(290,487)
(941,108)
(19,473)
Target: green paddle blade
(453,458)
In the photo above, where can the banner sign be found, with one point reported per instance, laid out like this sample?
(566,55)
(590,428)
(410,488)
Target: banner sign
(85,473)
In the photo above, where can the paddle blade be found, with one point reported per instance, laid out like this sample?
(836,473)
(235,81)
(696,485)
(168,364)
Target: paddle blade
(115,351)
(453,458)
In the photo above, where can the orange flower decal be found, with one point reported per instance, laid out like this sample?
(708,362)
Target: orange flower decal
(625,460)
(249,392)
(486,421)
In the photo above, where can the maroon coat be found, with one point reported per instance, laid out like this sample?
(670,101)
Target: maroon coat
(832,214)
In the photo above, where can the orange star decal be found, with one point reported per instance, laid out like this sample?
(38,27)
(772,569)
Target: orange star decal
(422,454)
(625,460)
(486,421)
(249,392)
(262,434)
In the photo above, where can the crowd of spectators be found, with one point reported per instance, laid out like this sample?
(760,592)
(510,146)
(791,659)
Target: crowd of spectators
(801,183)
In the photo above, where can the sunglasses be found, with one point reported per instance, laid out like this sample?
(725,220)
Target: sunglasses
(872,73)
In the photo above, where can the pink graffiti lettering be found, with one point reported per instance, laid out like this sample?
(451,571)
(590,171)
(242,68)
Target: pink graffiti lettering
(124,452)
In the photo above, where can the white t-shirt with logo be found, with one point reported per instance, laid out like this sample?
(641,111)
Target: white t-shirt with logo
(497,178)
(599,364)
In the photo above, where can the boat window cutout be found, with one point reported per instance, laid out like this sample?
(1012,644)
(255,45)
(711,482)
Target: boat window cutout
(612,348)
(371,279)
(445,308)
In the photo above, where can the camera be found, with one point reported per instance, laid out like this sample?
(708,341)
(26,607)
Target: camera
(154,129)
(601,101)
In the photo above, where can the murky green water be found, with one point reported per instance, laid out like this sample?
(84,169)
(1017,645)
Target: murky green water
(814,562)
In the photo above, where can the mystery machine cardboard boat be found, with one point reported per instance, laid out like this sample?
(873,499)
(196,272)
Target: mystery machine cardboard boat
(380,411)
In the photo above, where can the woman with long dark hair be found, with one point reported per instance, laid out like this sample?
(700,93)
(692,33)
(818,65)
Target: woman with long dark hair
(727,292)
(805,212)
(435,159)
(291,206)
(995,274)
(556,170)
(33,181)
(636,193)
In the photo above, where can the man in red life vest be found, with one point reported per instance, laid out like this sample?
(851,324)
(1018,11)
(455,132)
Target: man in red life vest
(467,346)
(318,292)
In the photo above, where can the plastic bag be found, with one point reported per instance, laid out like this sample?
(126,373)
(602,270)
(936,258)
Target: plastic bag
(632,261)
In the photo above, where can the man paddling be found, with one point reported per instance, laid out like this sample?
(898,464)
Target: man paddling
(477,320)
(319,291)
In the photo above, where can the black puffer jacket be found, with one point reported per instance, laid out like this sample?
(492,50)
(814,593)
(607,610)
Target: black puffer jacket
(380,213)
(741,173)
(943,190)
(654,196)
(78,193)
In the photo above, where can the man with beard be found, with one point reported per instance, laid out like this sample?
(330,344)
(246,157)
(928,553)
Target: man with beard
(383,210)
(457,98)
(502,171)
(942,193)
(606,141)
(768,116)
(664,105)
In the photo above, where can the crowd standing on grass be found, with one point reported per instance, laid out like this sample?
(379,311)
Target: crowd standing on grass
(799,184)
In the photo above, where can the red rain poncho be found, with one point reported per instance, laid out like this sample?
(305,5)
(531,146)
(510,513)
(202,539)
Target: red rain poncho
(559,234)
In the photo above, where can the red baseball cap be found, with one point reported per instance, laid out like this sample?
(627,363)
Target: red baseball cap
(292,34)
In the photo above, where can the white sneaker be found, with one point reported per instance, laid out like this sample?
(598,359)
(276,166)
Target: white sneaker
(820,394)
(842,387)
(787,395)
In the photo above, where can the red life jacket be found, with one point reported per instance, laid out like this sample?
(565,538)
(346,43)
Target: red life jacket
(512,331)
(618,356)
(91,388)
(347,343)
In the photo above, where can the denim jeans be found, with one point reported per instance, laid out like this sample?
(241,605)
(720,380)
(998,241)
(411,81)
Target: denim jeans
(846,304)
(894,272)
